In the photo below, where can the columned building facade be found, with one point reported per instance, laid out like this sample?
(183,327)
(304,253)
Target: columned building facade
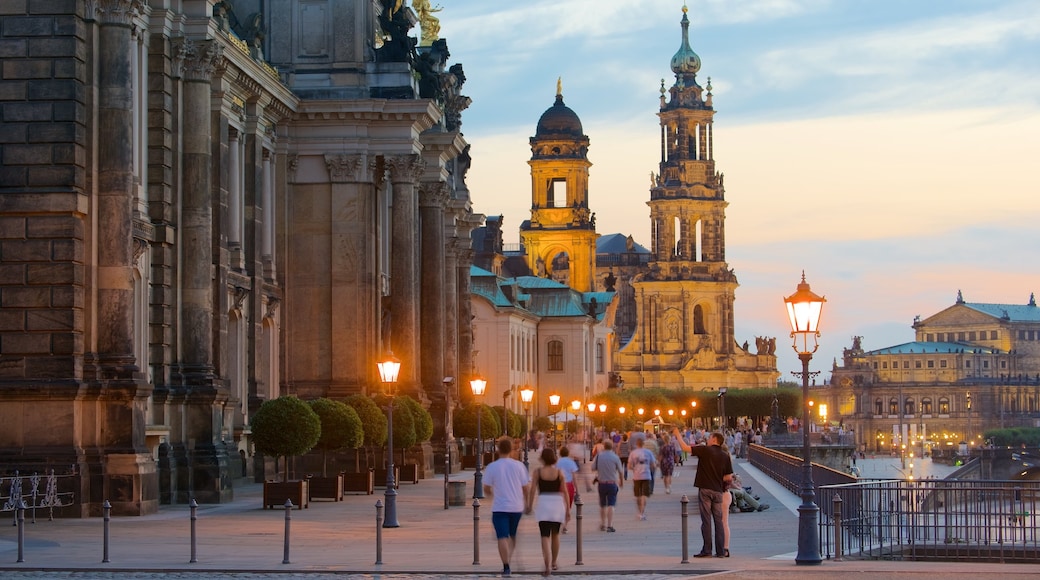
(203,211)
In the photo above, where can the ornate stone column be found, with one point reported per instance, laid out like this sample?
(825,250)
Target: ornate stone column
(354,296)
(206,473)
(115,189)
(126,471)
(432,197)
(404,284)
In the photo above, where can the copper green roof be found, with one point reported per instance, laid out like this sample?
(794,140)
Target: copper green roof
(918,347)
(1010,312)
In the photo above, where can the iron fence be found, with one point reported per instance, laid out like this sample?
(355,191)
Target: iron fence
(932,519)
(43,492)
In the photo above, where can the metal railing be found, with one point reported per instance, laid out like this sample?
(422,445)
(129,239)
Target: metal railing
(17,488)
(932,519)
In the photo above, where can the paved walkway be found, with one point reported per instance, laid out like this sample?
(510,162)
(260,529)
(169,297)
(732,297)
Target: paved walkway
(241,540)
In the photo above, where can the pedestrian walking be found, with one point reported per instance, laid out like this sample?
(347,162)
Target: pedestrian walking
(506,481)
(714,473)
(548,498)
(641,464)
(609,479)
(569,467)
(669,455)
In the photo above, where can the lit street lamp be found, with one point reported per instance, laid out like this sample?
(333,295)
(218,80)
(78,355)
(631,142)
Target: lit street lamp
(527,395)
(722,409)
(389,369)
(603,418)
(479,384)
(554,407)
(804,308)
(590,427)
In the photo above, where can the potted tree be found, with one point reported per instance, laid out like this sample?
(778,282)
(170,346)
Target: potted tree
(422,421)
(373,424)
(404,433)
(340,428)
(285,427)
(465,425)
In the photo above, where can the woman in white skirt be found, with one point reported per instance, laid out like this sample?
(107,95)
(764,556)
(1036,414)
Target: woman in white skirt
(551,508)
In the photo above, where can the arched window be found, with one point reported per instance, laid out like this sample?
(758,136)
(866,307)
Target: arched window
(879,406)
(893,406)
(698,320)
(944,406)
(555,348)
(926,406)
(908,407)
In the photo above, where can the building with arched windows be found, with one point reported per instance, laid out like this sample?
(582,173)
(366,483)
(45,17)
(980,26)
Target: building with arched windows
(209,204)
(971,367)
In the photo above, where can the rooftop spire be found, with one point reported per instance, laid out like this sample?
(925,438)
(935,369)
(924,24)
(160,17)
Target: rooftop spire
(559,86)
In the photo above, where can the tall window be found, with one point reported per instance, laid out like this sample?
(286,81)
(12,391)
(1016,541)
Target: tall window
(944,406)
(698,320)
(599,356)
(558,193)
(926,406)
(555,348)
(879,406)
(893,406)
(908,407)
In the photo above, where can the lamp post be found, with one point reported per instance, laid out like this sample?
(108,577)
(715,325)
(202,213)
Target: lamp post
(621,416)
(554,404)
(804,308)
(969,423)
(527,395)
(603,418)
(389,369)
(479,384)
(591,426)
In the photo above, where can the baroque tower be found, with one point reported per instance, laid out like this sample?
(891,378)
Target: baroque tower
(560,238)
(684,300)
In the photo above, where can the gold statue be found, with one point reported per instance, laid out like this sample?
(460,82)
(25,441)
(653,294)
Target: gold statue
(431,26)
(559,86)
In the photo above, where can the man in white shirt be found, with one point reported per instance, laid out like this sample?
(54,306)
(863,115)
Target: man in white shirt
(506,481)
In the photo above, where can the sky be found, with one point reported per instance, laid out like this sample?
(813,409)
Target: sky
(890,150)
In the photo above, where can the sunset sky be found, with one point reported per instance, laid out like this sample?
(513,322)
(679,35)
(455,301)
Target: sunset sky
(889,149)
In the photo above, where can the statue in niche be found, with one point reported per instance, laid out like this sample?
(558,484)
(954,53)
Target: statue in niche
(673,330)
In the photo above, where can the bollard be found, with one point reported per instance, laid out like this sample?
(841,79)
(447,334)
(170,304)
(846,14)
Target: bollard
(476,532)
(194,505)
(107,511)
(578,503)
(20,518)
(837,527)
(379,531)
(685,501)
(288,518)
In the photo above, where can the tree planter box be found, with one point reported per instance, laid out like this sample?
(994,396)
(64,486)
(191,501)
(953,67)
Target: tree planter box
(380,477)
(409,472)
(326,487)
(470,461)
(276,492)
(364,482)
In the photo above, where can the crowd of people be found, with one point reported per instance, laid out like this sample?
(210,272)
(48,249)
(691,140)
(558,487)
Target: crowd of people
(640,457)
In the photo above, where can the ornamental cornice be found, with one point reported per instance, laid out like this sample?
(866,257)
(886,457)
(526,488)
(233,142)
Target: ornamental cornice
(199,59)
(405,168)
(122,12)
(433,194)
(343,168)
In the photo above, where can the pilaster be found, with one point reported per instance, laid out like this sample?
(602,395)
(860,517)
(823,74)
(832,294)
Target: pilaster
(405,171)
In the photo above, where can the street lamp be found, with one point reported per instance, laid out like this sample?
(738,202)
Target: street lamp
(576,407)
(479,384)
(591,425)
(603,417)
(804,308)
(722,409)
(554,407)
(389,369)
(526,396)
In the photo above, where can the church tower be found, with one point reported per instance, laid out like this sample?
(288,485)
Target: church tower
(684,301)
(560,238)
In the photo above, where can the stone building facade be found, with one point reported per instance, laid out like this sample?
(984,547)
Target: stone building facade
(684,297)
(200,212)
(971,367)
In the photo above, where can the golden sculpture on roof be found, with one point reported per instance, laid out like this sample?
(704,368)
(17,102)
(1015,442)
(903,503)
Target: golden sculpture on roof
(431,25)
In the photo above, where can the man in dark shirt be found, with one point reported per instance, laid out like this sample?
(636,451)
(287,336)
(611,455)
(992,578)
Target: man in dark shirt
(714,473)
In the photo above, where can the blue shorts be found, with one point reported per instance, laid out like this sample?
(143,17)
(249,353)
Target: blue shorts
(607,494)
(505,524)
